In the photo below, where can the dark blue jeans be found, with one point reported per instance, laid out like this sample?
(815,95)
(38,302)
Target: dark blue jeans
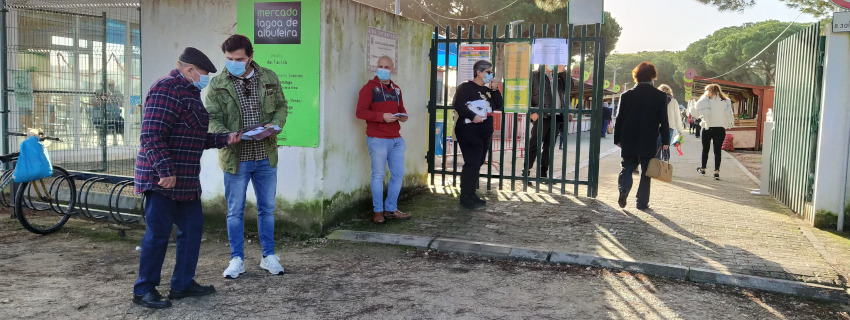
(161,213)
(605,123)
(624,183)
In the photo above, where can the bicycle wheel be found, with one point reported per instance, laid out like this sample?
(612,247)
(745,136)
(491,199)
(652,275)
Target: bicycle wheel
(43,206)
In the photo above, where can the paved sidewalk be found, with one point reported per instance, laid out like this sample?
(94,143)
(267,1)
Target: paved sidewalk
(695,222)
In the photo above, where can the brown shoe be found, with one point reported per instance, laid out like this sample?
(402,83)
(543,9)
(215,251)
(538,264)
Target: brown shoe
(378,217)
(396,215)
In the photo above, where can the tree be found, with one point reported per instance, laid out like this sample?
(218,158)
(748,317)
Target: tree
(665,65)
(817,8)
(730,47)
(479,13)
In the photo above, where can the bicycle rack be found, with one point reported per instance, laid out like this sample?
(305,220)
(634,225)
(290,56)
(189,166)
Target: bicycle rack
(113,211)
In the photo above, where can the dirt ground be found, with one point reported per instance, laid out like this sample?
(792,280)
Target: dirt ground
(750,159)
(86,272)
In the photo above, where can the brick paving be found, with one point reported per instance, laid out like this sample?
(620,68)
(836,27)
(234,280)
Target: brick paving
(694,221)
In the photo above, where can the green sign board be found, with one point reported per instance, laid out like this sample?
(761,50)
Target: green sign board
(286,37)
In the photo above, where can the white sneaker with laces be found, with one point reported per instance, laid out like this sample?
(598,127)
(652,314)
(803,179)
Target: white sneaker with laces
(272,264)
(235,268)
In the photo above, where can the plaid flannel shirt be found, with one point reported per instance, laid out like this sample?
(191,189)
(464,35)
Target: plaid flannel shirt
(174,135)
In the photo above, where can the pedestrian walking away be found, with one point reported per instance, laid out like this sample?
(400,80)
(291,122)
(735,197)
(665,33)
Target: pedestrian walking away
(245,96)
(174,135)
(642,118)
(381,105)
(715,110)
(474,103)
(607,112)
(674,119)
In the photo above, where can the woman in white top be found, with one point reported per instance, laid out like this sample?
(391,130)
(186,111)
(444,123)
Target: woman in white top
(715,110)
(673,118)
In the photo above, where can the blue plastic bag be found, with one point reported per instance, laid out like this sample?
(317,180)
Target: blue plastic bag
(33,163)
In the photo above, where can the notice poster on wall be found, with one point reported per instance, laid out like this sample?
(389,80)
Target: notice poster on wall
(517,62)
(467,55)
(286,39)
(380,43)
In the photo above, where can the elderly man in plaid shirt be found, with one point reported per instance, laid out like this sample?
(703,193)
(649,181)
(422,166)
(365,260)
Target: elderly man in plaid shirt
(245,96)
(174,134)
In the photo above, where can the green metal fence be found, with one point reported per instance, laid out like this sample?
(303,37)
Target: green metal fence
(799,73)
(575,165)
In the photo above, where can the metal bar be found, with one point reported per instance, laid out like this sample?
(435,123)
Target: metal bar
(4,71)
(490,140)
(103,102)
(26,8)
(568,107)
(580,106)
(503,120)
(432,106)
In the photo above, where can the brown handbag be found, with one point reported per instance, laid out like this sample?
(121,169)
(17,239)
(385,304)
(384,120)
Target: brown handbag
(661,170)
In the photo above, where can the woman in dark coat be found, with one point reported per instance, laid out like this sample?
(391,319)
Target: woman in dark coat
(641,119)
(474,102)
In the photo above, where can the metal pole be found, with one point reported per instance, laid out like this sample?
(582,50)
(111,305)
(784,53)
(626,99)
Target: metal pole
(4,71)
(397,7)
(103,96)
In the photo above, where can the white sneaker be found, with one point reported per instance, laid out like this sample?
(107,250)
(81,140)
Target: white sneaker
(235,268)
(272,264)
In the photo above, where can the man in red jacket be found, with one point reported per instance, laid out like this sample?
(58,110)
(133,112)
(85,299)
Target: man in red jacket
(380,104)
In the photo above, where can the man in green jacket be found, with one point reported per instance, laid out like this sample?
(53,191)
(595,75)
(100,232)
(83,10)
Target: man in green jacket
(247,95)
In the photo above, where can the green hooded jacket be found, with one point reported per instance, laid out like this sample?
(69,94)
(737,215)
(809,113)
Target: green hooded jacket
(222,103)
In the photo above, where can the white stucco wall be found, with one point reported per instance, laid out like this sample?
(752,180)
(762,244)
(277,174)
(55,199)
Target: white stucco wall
(344,72)
(340,165)
(831,185)
(168,26)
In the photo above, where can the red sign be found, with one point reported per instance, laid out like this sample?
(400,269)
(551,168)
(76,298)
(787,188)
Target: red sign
(842,3)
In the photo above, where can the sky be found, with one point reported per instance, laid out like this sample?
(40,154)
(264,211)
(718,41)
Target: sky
(655,25)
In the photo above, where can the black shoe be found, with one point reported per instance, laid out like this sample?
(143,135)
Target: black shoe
(194,290)
(467,202)
(642,207)
(700,170)
(622,200)
(152,300)
(477,200)
(716,175)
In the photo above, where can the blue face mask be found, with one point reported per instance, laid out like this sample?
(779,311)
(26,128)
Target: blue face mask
(203,82)
(488,77)
(383,74)
(236,68)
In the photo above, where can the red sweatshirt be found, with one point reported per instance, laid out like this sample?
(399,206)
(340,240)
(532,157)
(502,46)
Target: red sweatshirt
(375,100)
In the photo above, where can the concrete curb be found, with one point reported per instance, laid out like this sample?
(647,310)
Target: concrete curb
(697,275)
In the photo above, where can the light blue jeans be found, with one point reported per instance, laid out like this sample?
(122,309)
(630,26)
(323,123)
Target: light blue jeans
(386,152)
(264,179)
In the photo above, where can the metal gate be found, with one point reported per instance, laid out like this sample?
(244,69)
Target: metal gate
(577,164)
(73,70)
(799,73)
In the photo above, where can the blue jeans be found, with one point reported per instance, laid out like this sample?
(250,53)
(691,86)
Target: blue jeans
(386,152)
(161,213)
(624,182)
(664,155)
(605,124)
(264,179)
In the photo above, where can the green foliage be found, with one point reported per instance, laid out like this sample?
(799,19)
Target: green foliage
(817,8)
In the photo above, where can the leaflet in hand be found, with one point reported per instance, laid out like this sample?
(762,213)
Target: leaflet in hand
(479,107)
(400,115)
(260,133)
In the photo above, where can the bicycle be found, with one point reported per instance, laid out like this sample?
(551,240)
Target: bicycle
(45,213)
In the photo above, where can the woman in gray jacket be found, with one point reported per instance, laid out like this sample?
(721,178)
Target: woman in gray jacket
(715,110)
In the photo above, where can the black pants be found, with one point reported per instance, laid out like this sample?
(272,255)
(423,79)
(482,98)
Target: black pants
(715,136)
(698,127)
(545,155)
(474,141)
(624,182)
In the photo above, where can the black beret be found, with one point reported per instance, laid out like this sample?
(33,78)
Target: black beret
(198,58)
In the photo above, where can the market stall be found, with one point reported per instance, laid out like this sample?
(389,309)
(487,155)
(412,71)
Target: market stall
(749,103)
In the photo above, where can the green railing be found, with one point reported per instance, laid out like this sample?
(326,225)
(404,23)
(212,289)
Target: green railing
(799,73)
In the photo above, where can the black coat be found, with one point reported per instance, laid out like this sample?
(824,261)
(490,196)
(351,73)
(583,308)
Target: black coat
(547,95)
(641,118)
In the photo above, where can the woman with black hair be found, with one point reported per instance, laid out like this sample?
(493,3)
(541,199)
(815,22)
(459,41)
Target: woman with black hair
(474,102)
